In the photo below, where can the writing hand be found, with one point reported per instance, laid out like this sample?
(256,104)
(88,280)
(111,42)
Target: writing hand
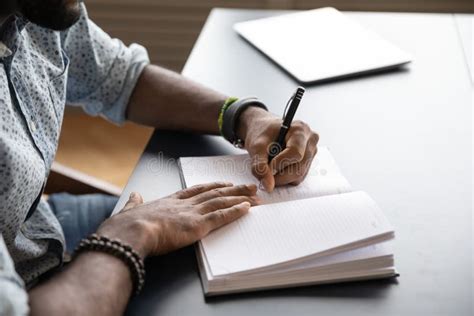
(259,129)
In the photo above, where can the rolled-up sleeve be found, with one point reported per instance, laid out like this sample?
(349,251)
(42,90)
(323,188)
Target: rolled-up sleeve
(13,295)
(102,71)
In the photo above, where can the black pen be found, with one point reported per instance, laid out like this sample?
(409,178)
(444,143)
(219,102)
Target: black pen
(277,146)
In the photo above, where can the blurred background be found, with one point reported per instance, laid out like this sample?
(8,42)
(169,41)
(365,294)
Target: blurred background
(169,28)
(100,155)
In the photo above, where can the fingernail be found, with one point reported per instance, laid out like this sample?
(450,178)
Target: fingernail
(274,172)
(246,204)
(250,186)
(266,184)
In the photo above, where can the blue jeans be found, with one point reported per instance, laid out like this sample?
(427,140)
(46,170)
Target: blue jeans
(80,215)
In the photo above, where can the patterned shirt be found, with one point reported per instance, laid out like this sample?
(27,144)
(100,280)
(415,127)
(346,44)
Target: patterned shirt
(40,71)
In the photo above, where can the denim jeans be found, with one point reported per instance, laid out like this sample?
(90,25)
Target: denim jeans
(80,215)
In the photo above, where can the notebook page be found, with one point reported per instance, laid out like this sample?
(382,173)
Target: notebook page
(324,177)
(272,234)
(383,249)
(368,252)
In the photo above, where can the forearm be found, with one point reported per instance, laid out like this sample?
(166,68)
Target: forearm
(97,283)
(166,100)
(93,284)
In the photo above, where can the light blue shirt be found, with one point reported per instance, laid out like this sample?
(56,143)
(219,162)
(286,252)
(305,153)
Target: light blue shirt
(40,71)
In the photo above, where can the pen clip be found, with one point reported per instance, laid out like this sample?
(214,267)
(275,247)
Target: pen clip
(287,105)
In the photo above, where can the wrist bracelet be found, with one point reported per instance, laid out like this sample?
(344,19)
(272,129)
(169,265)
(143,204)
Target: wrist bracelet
(228,102)
(230,115)
(119,250)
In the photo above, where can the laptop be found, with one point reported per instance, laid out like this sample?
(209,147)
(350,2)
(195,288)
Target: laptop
(321,45)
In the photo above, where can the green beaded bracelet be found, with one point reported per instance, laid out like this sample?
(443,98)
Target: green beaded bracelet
(228,102)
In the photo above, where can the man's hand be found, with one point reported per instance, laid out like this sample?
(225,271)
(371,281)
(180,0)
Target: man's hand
(259,129)
(96,283)
(180,219)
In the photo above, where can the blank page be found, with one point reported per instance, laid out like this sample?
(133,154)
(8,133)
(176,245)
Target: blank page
(383,249)
(324,177)
(281,232)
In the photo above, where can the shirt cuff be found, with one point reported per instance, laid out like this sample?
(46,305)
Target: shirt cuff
(13,297)
(139,60)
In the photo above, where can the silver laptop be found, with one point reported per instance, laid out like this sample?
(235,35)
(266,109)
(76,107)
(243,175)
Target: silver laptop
(321,44)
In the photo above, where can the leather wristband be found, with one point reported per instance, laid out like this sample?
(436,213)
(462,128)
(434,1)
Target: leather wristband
(231,118)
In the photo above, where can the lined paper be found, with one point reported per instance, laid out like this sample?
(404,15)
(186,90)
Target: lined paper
(384,249)
(368,252)
(324,177)
(277,233)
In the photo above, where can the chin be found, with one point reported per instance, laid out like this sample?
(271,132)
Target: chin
(57,15)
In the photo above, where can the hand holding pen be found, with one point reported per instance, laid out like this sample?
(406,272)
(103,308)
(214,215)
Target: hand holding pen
(281,150)
(288,115)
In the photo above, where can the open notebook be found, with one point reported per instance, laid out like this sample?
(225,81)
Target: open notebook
(317,232)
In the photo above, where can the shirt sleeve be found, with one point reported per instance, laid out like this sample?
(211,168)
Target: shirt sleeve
(102,71)
(13,295)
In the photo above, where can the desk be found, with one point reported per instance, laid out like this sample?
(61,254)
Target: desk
(465,26)
(404,137)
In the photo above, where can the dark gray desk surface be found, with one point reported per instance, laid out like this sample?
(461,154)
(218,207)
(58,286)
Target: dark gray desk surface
(404,137)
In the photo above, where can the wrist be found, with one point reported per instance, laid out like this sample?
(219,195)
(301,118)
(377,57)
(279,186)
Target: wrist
(224,106)
(231,118)
(122,251)
(248,118)
(135,233)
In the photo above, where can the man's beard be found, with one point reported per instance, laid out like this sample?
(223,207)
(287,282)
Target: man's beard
(57,15)
(7,8)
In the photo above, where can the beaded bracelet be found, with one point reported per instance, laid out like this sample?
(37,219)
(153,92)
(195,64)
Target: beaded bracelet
(220,120)
(230,114)
(119,250)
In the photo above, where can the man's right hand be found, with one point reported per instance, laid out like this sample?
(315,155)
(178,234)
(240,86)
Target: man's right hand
(180,219)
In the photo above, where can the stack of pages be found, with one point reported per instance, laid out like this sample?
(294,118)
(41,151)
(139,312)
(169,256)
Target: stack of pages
(317,232)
